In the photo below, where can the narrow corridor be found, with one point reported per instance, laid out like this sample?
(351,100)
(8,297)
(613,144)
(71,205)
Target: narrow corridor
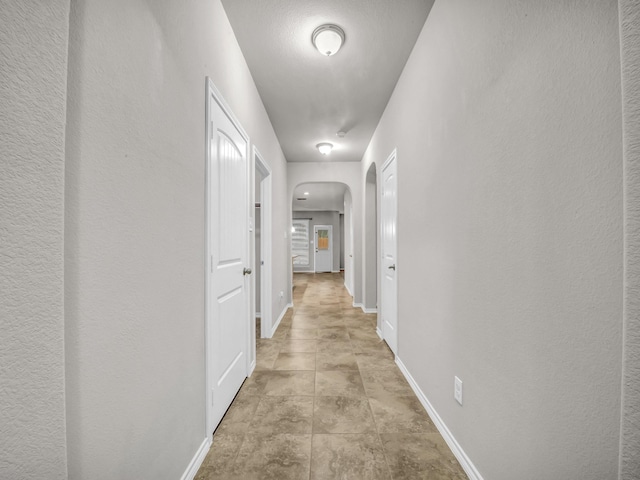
(327,401)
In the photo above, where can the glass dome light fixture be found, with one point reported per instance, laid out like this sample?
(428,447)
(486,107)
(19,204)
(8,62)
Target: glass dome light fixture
(324,148)
(328,39)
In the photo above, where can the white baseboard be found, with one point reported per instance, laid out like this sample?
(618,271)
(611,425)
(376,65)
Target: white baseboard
(379,332)
(348,291)
(258,315)
(364,309)
(469,468)
(282,314)
(252,367)
(196,461)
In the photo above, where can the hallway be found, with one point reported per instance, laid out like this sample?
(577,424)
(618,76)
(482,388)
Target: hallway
(327,401)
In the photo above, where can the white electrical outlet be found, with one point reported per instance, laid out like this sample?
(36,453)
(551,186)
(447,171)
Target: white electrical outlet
(457,389)
(281,294)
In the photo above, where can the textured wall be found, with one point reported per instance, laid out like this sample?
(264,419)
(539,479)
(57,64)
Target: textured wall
(134,232)
(321,218)
(629,11)
(33,66)
(507,121)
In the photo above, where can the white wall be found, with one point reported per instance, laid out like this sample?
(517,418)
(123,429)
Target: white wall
(135,227)
(321,218)
(508,127)
(33,88)
(342,172)
(629,13)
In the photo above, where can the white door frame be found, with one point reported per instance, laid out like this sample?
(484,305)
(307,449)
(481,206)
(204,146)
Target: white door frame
(381,266)
(266,269)
(212,91)
(315,245)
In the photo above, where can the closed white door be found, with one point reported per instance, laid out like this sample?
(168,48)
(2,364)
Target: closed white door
(228,262)
(389,247)
(323,235)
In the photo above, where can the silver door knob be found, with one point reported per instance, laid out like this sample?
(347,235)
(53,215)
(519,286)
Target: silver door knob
(392,267)
(246,271)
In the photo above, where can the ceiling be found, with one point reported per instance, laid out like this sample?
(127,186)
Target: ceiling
(310,97)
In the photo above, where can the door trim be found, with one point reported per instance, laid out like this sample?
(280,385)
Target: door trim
(266,270)
(212,92)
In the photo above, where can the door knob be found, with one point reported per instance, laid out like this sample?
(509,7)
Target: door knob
(246,271)
(392,267)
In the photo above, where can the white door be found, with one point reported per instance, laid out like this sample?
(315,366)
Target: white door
(228,258)
(389,274)
(323,237)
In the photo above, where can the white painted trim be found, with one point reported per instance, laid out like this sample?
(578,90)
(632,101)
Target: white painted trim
(266,241)
(259,315)
(196,461)
(252,367)
(303,271)
(212,92)
(363,308)
(469,468)
(282,314)
(379,332)
(348,289)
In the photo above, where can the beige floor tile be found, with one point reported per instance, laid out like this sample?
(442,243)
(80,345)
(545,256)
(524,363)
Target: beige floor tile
(342,415)
(334,346)
(238,417)
(348,456)
(298,346)
(220,460)
(254,385)
(333,333)
(303,333)
(295,361)
(290,383)
(266,362)
(304,323)
(344,383)
(364,334)
(276,415)
(371,346)
(374,360)
(326,380)
(274,457)
(400,415)
(336,361)
(389,381)
(425,456)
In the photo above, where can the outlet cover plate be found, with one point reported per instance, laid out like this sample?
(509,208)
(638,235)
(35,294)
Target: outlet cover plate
(457,389)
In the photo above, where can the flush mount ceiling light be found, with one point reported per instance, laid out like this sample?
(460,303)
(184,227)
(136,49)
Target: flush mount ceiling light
(324,148)
(328,39)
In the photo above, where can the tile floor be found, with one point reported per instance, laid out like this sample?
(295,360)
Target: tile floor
(327,401)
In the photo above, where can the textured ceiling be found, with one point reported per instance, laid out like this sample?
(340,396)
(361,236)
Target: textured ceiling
(310,97)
